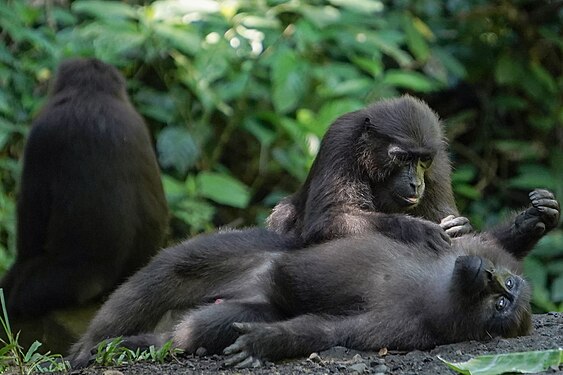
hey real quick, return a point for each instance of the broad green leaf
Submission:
(288, 80)
(544, 77)
(555, 267)
(388, 43)
(32, 351)
(464, 173)
(508, 70)
(533, 176)
(177, 149)
(261, 22)
(320, 16)
(550, 246)
(525, 362)
(181, 38)
(415, 40)
(155, 104)
(263, 134)
(467, 191)
(409, 80)
(170, 9)
(104, 9)
(360, 6)
(520, 150)
(372, 65)
(453, 65)
(536, 273)
(557, 289)
(223, 189)
(319, 122)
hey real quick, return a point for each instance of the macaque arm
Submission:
(520, 235)
(299, 336)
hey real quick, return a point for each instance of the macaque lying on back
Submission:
(248, 297)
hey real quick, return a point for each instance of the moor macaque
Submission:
(388, 158)
(244, 294)
(91, 208)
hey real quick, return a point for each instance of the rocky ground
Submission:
(548, 334)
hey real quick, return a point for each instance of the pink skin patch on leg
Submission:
(218, 300)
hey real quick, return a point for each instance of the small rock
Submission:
(381, 368)
(377, 361)
(382, 352)
(358, 367)
(315, 358)
(357, 358)
(112, 372)
(201, 351)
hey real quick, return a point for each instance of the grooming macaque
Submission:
(91, 208)
(245, 294)
(388, 158)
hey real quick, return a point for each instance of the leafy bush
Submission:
(239, 93)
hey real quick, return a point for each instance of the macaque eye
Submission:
(501, 303)
(399, 155)
(509, 283)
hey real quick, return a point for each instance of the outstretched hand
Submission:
(542, 216)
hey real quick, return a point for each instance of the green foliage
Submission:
(238, 94)
(544, 269)
(15, 359)
(526, 362)
(111, 353)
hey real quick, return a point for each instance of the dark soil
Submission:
(548, 334)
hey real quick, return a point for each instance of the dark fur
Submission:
(353, 178)
(377, 292)
(91, 208)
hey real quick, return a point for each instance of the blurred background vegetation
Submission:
(238, 94)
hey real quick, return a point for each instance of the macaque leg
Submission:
(306, 334)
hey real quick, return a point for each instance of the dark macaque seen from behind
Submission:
(91, 208)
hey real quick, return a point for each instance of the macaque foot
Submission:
(240, 352)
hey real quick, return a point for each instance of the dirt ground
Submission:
(548, 334)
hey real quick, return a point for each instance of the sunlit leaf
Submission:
(409, 80)
(526, 362)
(520, 150)
(104, 9)
(415, 40)
(183, 39)
(320, 16)
(360, 6)
(388, 43)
